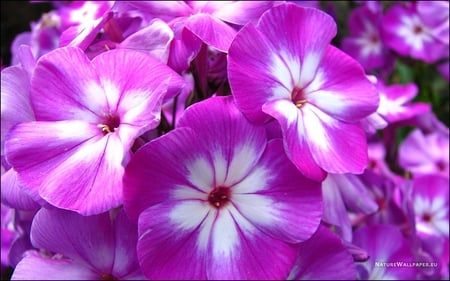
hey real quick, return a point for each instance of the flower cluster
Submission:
(227, 140)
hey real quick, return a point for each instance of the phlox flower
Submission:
(430, 202)
(422, 153)
(411, 32)
(215, 200)
(75, 247)
(365, 42)
(384, 244)
(88, 115)
(317, 93)
(395, 102)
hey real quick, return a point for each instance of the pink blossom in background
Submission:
(425, 153)
(409, 33)
(365, 42)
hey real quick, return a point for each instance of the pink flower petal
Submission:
(168, 149)
(66, 81)
(243, 145)
(323, 257)
(295, 141)
(34, 266)
(342, 89)
(336, 146)
(292, 218)
(169, 245)
(212, 31)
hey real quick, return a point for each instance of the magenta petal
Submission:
(125, 258)
(345, 93)
(292, 218)
(88, 164)
(88, 240)
(323, 257)
(211, 31)
(132, 85)
(153, 39)
(171, 9)
(243, 145)
(249, 258)
(250, 71)
(66, 81)
(334, 210)
(171, 251)
(12, 194)
(15, 99)
(242, 12)
(34, 266)
(313, 30)
(295, 141)
(355, 193)
(336, 146)
(168, 149)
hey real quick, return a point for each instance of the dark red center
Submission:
(219, 196)
(110, 124)
(418, 29)
(108, 276)
(426, 217)
(298, 97)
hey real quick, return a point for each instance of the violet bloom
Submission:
(395, 101)
(88, 115)
(323, 257)
(75, 247)
(385, 246)
(365, 42)
(411, 34)
(430, 201)
(423, 153)
(317, 93)
(215, 200)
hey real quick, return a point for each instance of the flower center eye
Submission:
(219, 196)
(418, 29)
(298, 97)
(426, 217)
(110, 124)
(108, 276)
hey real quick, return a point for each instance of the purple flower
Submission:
(395, 102)
(365, 42)
(88, 115)
(423, 153)
(75, 247)
(387, 248)
(410, 33)
(317, 93)
(430, 201)
(214, 199)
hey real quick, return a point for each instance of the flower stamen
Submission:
(219, 196)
